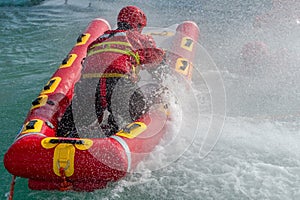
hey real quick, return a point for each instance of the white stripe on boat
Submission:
(126, 148)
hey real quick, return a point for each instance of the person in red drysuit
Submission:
(115, 59)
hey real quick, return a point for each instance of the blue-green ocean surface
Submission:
(258, 153)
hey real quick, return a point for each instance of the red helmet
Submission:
(134, 16)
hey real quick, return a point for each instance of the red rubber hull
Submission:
(80, 164)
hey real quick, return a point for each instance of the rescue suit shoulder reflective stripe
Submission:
(114, 50)
(104, 75)
(124, 47)
(111, 43)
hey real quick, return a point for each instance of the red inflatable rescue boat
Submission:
(86, 164)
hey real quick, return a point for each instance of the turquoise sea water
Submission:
(14, 3)
(257, 156)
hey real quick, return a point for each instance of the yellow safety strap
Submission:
(64, 157)
(135, 69)
(104, 75)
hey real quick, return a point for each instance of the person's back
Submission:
(122, 50)
(110, 72)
